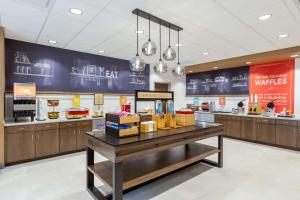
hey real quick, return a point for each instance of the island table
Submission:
(136, 160)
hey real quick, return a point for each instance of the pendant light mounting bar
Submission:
(157, 20)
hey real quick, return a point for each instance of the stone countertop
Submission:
(28, 122)
(297, 117)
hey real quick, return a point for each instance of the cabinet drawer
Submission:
(68, 124)
(21, 128)
(286, 122)
(265, 121)
(48, 126)
(237, 118)
(85, 123)
(249, 119)
(221, 116)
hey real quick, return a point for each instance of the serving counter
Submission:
(135, 160)
(274, 131)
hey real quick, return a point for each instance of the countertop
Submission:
(114, 141)
(28, 122)
(297, 117)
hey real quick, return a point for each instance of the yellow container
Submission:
(185, 119)
(160, 121)
(147, 127)
(170, 121)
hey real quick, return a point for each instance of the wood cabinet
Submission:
(286, 133)
(248, 128)
(265, 130)
(298, 136)
(83, 127)
(68, 137)
(234, 126)
(222, 119)
(20, 143)
(47, 140)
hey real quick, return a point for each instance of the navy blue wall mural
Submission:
(232, 81)
(55, 69)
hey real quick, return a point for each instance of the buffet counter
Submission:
(27, 141)
(275, 131)
(136, 160)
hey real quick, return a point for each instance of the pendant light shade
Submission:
(179, 70)
(160, 67)
(137, 64)
(149, 48)
(170, 53)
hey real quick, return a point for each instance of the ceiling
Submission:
(222, 28)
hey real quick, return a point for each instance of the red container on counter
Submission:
(126, 108)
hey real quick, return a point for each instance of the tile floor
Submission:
(251, 172)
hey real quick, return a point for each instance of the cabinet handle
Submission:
(78, 131)
(38, 137)
(48, 126)
(31, 136)
(21, 129)
(74, 132)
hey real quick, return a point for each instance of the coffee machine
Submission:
(24, 100)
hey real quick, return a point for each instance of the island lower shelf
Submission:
(141, 169)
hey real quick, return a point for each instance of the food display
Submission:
(122, 124)
(149, 126)
(53, 103)
(185, 117)
(77, 112)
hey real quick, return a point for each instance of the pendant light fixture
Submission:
(137, 64)
(179, 69)
(149, 48)
(169, 53)
(160, 67)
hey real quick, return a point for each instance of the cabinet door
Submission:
(82, 137)
(14, 147)
(248, 129)
(234, 127)
(298, 139)
(29, 145)
(265, 133)
(222, 120)
(286, 136)
(68, 139)
(47, 142)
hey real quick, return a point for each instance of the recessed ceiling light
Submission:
(139, 32)
(101, 51)
(52, 41)
(283, 35)
(248, 63)
(205, 53)
(294, 56)
(178, 45)
(216, 67)
(265, 17)
(75, 11)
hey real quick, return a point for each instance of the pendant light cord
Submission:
(169, 36)
(149, 28)
(137, 34)
(160, 40)
(178, 46)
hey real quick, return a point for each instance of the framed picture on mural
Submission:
(98, 98)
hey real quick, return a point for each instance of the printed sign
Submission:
(196, 101)
(222, 101)
(155, 95)
(273, 81)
